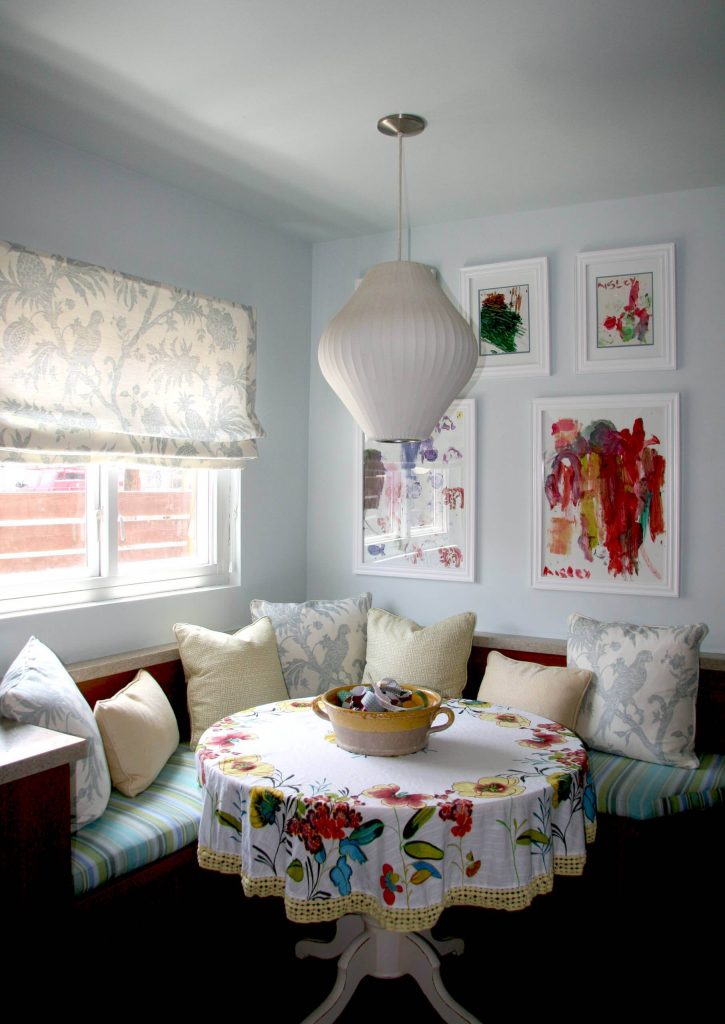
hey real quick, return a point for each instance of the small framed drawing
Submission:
(507, 305)
(415, 502)
(606, 494)
(626, 309)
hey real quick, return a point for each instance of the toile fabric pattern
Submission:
(99, 365)
(320, 643)
(486, 814)
(37, 690)
(641, 701)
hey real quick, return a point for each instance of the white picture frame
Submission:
(421, 501)
(514, 297)
(581, 501)
(626, 316)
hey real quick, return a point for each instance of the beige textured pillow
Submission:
(432, 656)
(228, 673)
(549, 690)
(139, 732)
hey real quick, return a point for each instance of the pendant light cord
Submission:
(400, 196)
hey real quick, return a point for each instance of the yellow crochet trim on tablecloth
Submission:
(395, 919)
(227, 863)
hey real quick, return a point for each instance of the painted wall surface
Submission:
(501, 596)
(55, 198)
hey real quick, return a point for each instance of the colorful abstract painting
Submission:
(605, 483)
(504, 320)
(415, 502)
(507, 306)
(624, 311)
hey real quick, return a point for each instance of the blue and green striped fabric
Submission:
(134, 831)
(638, 789)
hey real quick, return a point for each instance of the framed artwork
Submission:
(415, 502)
(606, 494)
(626, 309)
(507, 305)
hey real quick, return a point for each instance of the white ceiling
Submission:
(270, 106)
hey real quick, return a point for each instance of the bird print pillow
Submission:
(641, 701)
(320, 643)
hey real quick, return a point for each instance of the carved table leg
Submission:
(383, 954)
(442, 946)
(347, 929)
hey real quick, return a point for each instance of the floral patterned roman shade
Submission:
(98, 365)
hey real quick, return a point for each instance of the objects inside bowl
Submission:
(363, 698)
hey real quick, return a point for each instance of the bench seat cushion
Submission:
(135, 831)
(638, 789)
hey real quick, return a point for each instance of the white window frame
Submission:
(28, 593)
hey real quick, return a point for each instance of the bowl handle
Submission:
(320, 712)
(446, 725)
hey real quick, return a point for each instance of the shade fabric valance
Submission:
(101, 366)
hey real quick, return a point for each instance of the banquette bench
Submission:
(632, 857)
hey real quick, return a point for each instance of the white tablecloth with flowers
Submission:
(485, 815)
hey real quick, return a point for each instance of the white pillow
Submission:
(37, 690)
(321, 643)
(549, 690)
(641, 702)
(434, 657)
(228, 673)
(139, 731)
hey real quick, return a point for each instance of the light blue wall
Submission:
(57, 199)
(501, 596)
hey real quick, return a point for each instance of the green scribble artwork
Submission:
(504, 320)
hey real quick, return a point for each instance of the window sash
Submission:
(101, 579)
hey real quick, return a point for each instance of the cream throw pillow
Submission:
(547, 690)
(139, 731)
(435, 657)
(228, 673)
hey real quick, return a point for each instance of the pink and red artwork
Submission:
(418, 500)
(624, 310)
(606, 498)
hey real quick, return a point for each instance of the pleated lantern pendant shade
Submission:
(398, 353)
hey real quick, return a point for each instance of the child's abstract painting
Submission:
(624, 311)
(626, 317)
(416, 502)
(504, 320)
(606, 493)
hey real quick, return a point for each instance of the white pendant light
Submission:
(398, 352)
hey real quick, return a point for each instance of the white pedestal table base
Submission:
(366, 949)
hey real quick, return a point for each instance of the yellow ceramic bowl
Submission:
(383, 733)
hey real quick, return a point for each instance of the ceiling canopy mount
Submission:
(401, 124)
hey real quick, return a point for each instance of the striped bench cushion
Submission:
(135, 831)
(637, 789)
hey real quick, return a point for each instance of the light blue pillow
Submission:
(320, 643)
(641, 700)
(37, 690)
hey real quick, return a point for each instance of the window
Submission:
(75, 534)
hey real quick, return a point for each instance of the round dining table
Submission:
(486, 814)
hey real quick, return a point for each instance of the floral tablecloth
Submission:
(485, 815)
